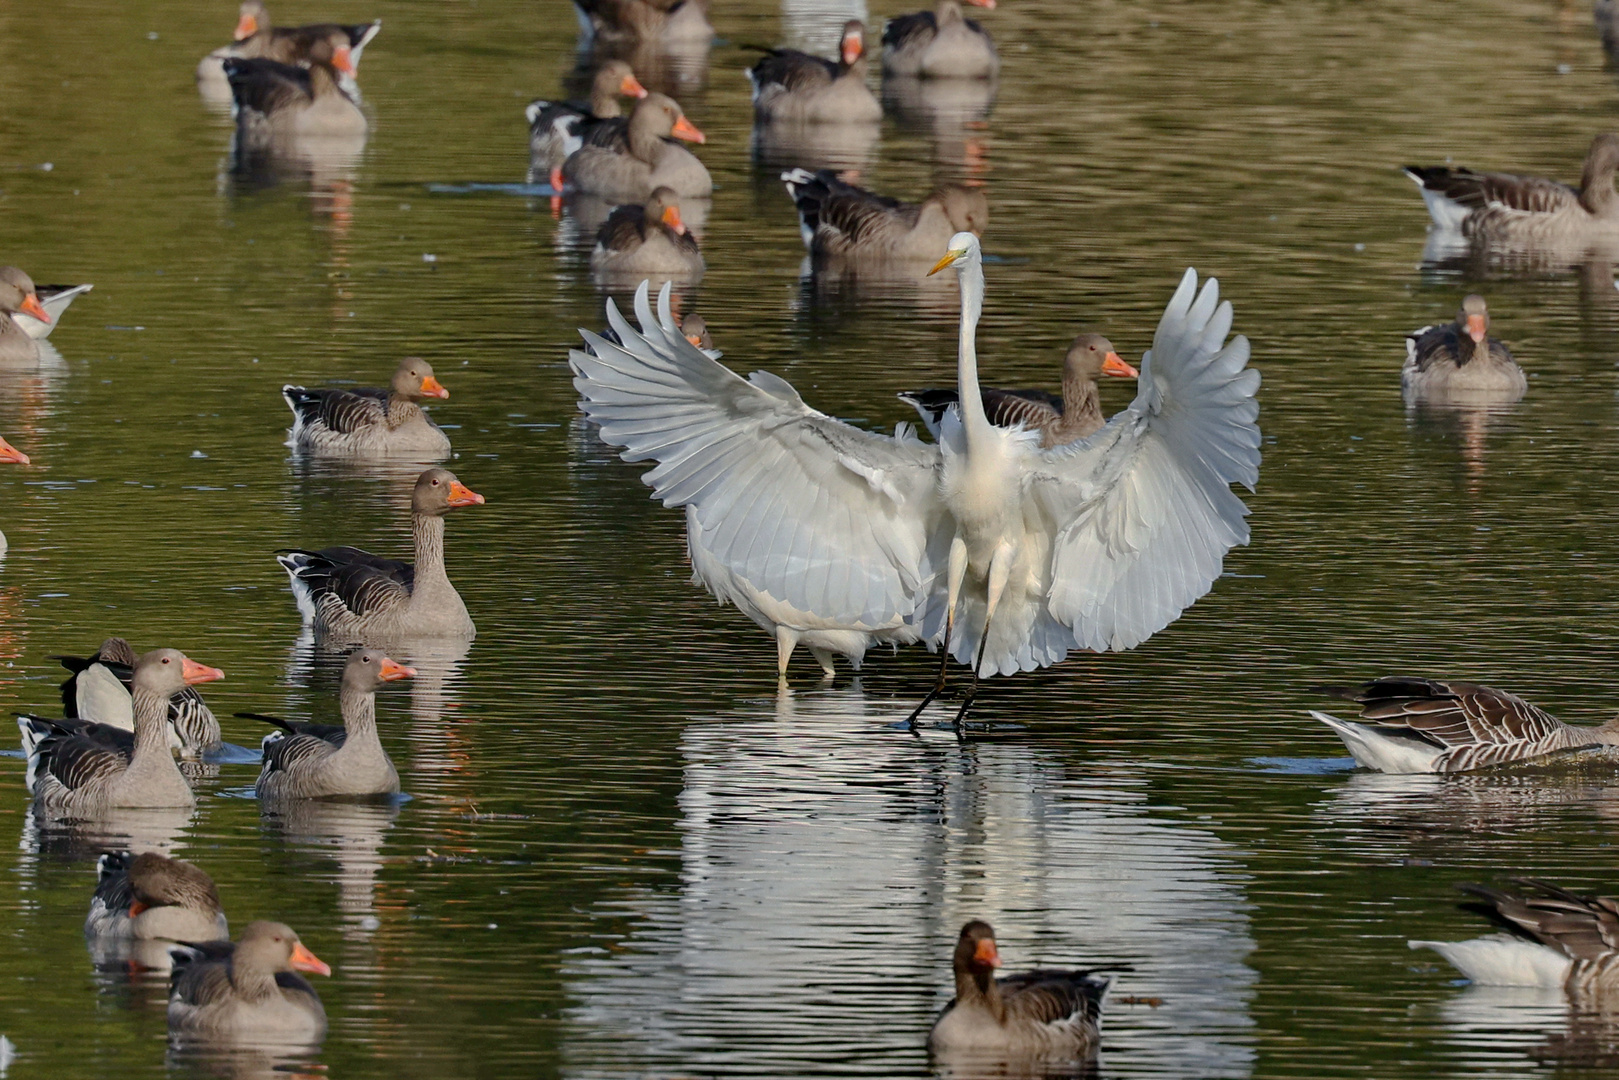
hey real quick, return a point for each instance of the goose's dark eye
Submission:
(166, 660)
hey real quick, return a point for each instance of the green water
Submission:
(625, 854)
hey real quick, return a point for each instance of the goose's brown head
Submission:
(438, 492)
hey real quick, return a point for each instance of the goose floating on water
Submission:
(98, 689)
(55, 299)
(1560, 940)
(1032, 1014)
(278, 104)
(256, 39)
(352, 595)
(1411, 725)
(151, 897)
(650, 239)
(18, 296)
(316, 761)
(940, 44)
(1527, 209)
(557, 129)
(362, 421)
(626, 160)
(1459, 361)
(249, 991)
(82, 766)
(1009, 554)
(789, 85)
(839, 220)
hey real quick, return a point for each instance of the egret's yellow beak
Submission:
(950, 257)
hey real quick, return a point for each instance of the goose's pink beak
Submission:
(195, 673)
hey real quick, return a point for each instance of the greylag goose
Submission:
(12, 456)
(1033, 1014)
(349, 594)
(557, 129)
(940, 44)
(695, 329)
(1428, 726)
(625, 160)
(366, 421)
(1559, 940)
(316, 761)
(149, 897)
(83, 766)
(789, 85)
(841, 221)
(646, 240)
(777, 486)
(97, 689)
(1059, 420)
(55, 299)
(645, 20)
(17, 294)
(1526, 209)
(256, 39)
(1460, 360)
(276, 102)
(249, 991)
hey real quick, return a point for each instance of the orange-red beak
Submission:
(135, 908)
(685, 129)
(983, 3)
(11, 454)
(246, 27)
(985, 953)
(32, 306)
(671, 218)
(392, 669)
(631, 86)
(343, 61)
(1475, 328)
(461, 495)
(1113, 364)
(852, 48)
(431, 387)
(695, 339)
(195, 673)
(304, 960)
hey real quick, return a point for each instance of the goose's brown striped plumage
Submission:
(793, 86)
(1409, 725)
(839, 220)
(249, 991)
(351, 595)
(149, 897)
(316, 761)
(1502, 207)
(1563, 940)
(370, 422)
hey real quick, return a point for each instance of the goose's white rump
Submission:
(851, 530)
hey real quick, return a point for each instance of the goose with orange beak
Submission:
(320, 761)
(557, 129)
(80, 766)
(19, 296)
(349, 595)
(1459, 363)
(626, 160)
(647, 241)
(370, 422)
(256, 39)
(250, 991)
(796, 87)
(1031, 1015)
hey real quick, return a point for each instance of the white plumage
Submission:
(1097, 544)
(1503, 960)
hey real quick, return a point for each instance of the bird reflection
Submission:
(1489, 1026)
(243, 1063)
(827, 865)
(952, 112)
(1469, 424)
(72, 839)
(350, 832)
(676, 68)
(788, 144)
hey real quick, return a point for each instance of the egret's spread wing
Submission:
(829, 518)
(1143, 509)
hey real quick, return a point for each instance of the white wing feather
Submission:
(802, 507)
(1144, 507)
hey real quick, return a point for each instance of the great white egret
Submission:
(1008, 554)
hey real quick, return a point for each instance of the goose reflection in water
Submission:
(825, 878)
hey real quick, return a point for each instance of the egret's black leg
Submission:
(938, 684)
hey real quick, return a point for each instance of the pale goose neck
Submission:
(359, 709)
(428, 530)
(980, 991)
(1081, 407)
(151, 712)
(645, 143)
(1596, 188)
(604, 102)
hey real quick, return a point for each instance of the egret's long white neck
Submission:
(971, 400)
